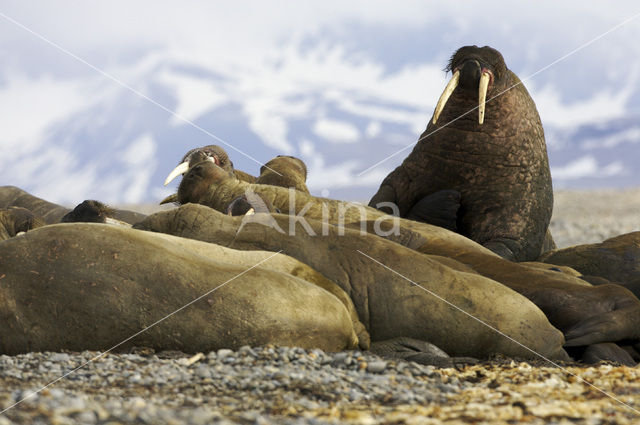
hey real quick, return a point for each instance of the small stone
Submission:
(223, 352)
(376, 366)
(86, 417)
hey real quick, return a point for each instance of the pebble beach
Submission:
(288, 385)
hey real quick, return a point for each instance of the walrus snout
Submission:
(470, 72)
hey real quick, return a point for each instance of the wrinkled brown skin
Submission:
(49, 212)
(586, 314)
(284, 171)
(500, 167)
(14, 220)
(388, 305)
(615, 260)
(85, 286)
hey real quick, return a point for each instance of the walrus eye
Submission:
(446, 94)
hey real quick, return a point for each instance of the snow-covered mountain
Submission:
(341, 97)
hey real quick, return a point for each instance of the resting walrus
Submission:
(497, 161)
(388, 305)
(91, 286)
(586, 314)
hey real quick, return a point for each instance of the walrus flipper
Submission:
(607, 351)
(439, 208)
(506, 248)
(415, 350)
(621, 322)
(250, 202)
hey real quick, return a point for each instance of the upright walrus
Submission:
(496, 160)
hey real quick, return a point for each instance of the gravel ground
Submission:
(292, 386)
(581, 217)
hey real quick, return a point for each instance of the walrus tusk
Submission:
(482, 94)
(180, 169)
(250, 212)
(171, 198)
(446, 94)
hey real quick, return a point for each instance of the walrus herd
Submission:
(452, 261)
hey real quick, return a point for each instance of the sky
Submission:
(360, 69)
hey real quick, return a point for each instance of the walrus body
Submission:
(499, 167)
(91, 286)
(388, 305)
(614, 260)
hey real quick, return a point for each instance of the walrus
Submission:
(284, 171)
(91, 211)
(51, 213)
(586, 314)
(387, 305)
(87, 286)
(14, 220)
(616, 259)
(219, 156)
(496, 160)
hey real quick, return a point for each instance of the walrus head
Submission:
(475, 69)
(203, 172)
(281, 162)
(89, 211)
(215, 152)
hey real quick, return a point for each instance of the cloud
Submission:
(336, 131)
(631, 135)
(587, 166)
(28, 107)
(602, 105)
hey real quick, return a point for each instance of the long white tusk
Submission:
(180, 169)
(446, 94)
(250, 212)
(482, 95)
